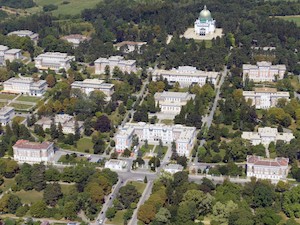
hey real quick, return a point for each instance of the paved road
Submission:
(108, 203)
(146, 194)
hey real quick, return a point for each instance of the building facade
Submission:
(171, 102)
(183, 136)
(263, 71)
(9, 54)
(265, 168)
(26, 33)
(67, 122)
(25, 86)
(129, 46)
(115, 164)
(33, 152)
(266, 135)
(75, 39)
(115, 61)
(264, 98)
(205, 24)
(6, 115)
(89, 85)
(53, 61)
(186, 75)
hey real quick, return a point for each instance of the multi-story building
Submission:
(183, 136)
(263, 71)
(6, 115)
(33, 152)
(115, 164)
(205, 24)
(186, 75)
(53, 61)
(265, 168)
(171, 102)
(75, 39)
(26, 33)
(13, 54)
(25, 86)
(266, 135)
(67, 122)
(89, 85)
(129, 46)
(264, 98)
(3, 49)
(115, 61)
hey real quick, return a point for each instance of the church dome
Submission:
(205, 14)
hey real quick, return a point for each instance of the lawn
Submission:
(2, 104)
(7, 96)
(8, 183)
(167, 122)
(164, 149)
(295, 18)
(72, 8)
(143, 149)
(67, 189)
(24, 98)
(118, 219)
(79, 159)
(85, 144)
(18, 119)
(28, 197)
(21, 106)
(140, 186)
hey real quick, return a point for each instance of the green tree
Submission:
(70, 211)
(9, 203)
(127, 195)
(52, 194)
(38, 209)
(110, 213)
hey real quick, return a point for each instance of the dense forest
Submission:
(17, 3)
(246, 24)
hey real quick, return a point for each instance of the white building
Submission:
(33, 152)
(115, 164)
(67, 122)
(9, 54)
(186, 75)
(25, 86)
(183, 136)
(3, 49)
(115, 61)
(6, 115)
(205, 24)
(173, 168)
(54, 61)
(266, 135)
(129, 46)
(171, 102)
(75, 39)
(264, 168)
(263, 71)
(89, 85)
(13, 54)
(26, 33)
(264, 98)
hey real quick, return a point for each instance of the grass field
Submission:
(164, 149)
(118, 219)
(85, 144)
(19, 119)
(8, 183)
(167, 122)
(63, 159)
(72, 8)
(7, 96)
(67, 189)
(140, 186)
(20, 106)
(28, 197)
(295, 19)
(28, 98)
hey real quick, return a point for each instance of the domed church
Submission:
(205, 24)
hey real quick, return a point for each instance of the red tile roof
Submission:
(260, 161)
(32, 145)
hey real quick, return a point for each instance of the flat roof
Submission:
(13, 51)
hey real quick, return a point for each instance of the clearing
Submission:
(29, 197)
(294, 18)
